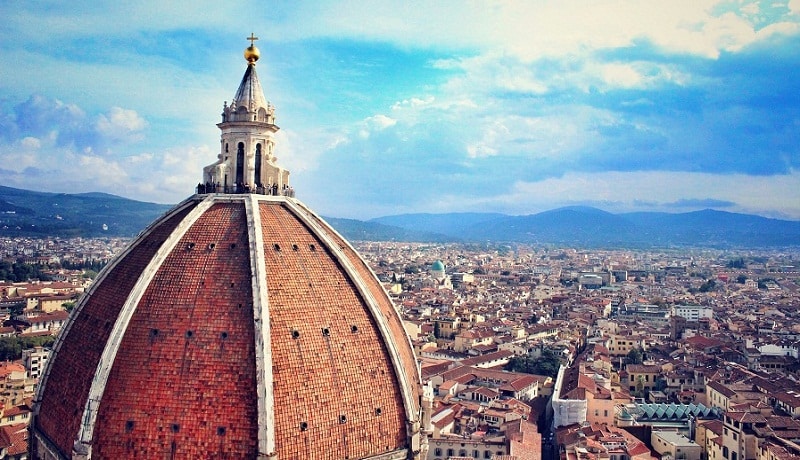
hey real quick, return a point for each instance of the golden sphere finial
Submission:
(251, 54)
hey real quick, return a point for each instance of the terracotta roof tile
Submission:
(183, 380)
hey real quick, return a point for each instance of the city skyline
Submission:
(396, 107)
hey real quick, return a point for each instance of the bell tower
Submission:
(246, 161)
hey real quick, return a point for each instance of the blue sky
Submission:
(390, 107)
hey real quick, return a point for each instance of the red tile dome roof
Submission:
(241, 325)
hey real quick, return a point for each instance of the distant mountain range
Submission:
(591, 227)
(28, 213)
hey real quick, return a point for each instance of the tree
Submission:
(20, 271)
(635, 356)
(762, 283)
(16, 310)
(45, 341)
(737, 263)
(6, 271)
(741, 279)
(11, 347)
(708, 286)
(546, 364)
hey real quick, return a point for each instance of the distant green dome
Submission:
(437, 266)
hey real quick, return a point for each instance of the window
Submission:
(724, 451)
(437, 452)
(734, 455)
(450, 452)
(240, 164)
(258, 164)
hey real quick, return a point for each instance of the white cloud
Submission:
(23, 154)
(121, 125)
(299, 151)
(414, 102)
(142, 158)
(555, 136)
(783, 28)
(530, 30)
(380, 122)
(100, 172)
(621, 75)
(30, 143)
(487, 80)
(627, 75)
(751, 9)
(525, 29)
(168, 175)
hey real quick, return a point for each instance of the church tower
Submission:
(246, 158)
(239, 325)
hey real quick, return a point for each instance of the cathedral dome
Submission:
(437, 266)
(238, 325)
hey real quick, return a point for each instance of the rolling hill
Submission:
(29, 213)
(592, 227)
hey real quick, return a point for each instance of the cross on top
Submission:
(252, 38)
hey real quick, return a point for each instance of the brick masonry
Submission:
(183, 382)
(64, 397)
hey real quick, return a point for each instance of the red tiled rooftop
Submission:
(14, 439)
(67, 386)
(59, 315)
